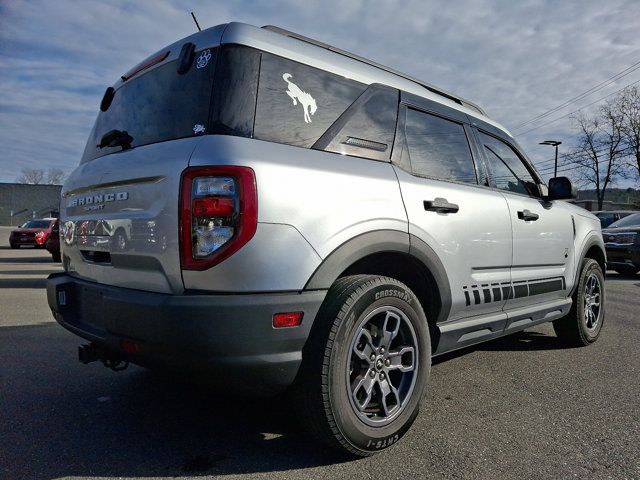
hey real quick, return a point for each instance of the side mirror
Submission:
(561, 188)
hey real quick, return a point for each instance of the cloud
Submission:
(516, 59)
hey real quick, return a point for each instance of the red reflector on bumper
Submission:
(291, 319)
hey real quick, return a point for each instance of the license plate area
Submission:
(90, 308)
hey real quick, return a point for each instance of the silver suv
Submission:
(278, 214)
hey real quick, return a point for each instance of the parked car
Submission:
(607, 217)
(34, 233)
(53, 242)
(329, 225)
(622, 243)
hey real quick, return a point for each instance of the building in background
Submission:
(615, 199)
(20, 202)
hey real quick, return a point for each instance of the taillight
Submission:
(219, 214)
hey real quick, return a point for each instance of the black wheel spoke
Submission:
(361, 389)
(390, 329)
(402, 360)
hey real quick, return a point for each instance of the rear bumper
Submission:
(229, 338)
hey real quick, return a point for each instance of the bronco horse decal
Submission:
(297, 95)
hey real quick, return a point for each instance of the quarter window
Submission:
(507, 170)
(298, 103)
(367, 127)
(438, 148)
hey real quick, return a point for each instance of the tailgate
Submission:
(119, 217)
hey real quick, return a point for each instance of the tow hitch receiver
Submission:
(92, 353)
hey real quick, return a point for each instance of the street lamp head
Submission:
(553, 143)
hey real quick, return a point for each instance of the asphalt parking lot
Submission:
(518, 407)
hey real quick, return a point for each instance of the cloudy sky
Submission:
(517, 59)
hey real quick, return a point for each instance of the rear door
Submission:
(465, 223)
(543, 246)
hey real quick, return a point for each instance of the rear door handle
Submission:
(527, 215)
(440, 205)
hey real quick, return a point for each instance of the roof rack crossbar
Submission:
(431, 88)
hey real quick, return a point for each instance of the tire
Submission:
(580, 328)
(627, 271)
(56, 257)
(14, 246)
(337, 357)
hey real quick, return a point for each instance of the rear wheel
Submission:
(583, 324)
(365, 366)
(14, 246)
(56, 257)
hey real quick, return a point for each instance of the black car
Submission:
(622, 242)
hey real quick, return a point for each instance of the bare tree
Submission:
(599, 156)
(628, 105)
(55, 176)
(33, 176)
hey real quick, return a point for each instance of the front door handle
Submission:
(440, 205)
(527, 215)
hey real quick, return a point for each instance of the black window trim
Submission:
(400, 145)
(330, 133)
(527, 164)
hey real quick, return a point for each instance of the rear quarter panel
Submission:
(315, 200)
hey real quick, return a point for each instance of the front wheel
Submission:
(583, 324)
(366, 365)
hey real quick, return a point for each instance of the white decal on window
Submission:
(297, 95)
(198, 128)
(203, 59)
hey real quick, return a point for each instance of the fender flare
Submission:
(592, 240)
(383, 241)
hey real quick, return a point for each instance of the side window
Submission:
(298, 103)
(438, 148)
(367, 127)
(506, 167)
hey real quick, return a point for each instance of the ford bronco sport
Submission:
(280, 214)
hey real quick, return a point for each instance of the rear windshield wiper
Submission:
(116, 138)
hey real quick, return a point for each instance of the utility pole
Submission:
(553, 143)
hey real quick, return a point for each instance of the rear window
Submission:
(158, 105)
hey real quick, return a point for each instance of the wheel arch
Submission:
(397, 255)
(593, 248)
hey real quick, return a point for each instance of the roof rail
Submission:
(431, 88)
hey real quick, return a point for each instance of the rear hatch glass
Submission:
(158, 105)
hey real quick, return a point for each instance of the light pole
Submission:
(553, 143)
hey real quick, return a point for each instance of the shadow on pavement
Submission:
(70, 420)
(619, 276)
(521, 341)
(517, 342)
(29, 272)
(23, 283)
(44, 259)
